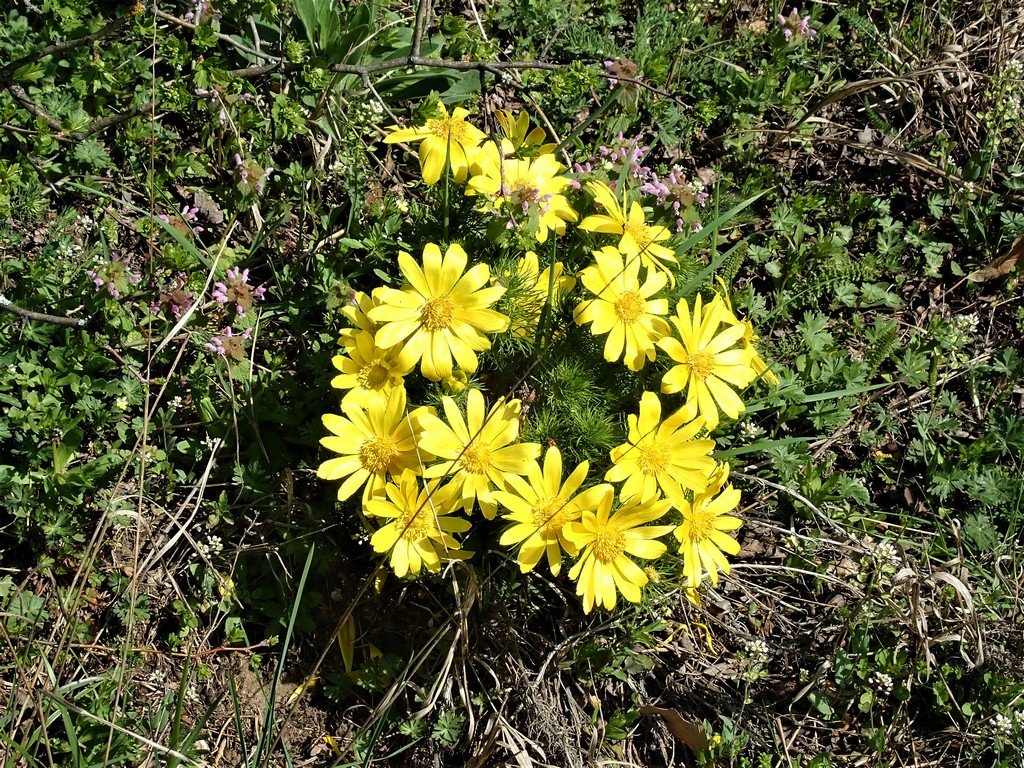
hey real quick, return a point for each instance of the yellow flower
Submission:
(749, 339)
(442, 314)
(478, 452)
(526, 190)
(368, 372)
(420, 532)
(605, 540)
(374, 441)
(661, 454)
(455, 383)
(708, 361)
(355, 313)
(638, 237)
(623, 308)
(703, 537)
(717, 478)
(442, 138)
(540, 507)
(537, 283)
(515, 130)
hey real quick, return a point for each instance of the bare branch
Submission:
(106, 122)
(28, 314)
(420, 25)
(22, 97)
(98, 125)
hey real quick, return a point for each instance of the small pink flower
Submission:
(795, 28)
(183, 221)
(115, 275)
(623, 152)
(174, 300)
(229, 346)
(680, 196)
(235, 289)
(203, 13)
(622, 68)
(251, 175)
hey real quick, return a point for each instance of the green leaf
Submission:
(820, 703)
(30, 73)
(64, 451)
(322, 23)
(92, 152)
(705, 274)
(306, 10)
(761, 445)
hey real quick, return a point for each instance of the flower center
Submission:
(240, 294)
(609, 544)
(116, 270)
(701, 363)
(233, 347)
(373, 376)
(437, 313)
(702, 523)
(550, 515)
(521, 193)
(641, 234)
(376, 453)
(629, 307)
(449, 129)
(476, 459)
(417, 523)
(653, 459)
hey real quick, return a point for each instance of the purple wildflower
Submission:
(174, 300)
(203, 13)
(235, 289)
(229, 346)
(115, 276)
(680, 196)
(183, 221)
(622, 68)
(795, 28)
(618, 154)
(251, 175)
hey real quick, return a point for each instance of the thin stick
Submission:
(28, 314)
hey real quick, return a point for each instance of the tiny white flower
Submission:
(1002, 726)
(881, 682)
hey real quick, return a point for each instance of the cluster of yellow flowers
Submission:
(419, 469)
(516, 175)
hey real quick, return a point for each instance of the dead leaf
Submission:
(302, 688)
(347, 641)
(1000, 266)
(208, 207)
(690, 733)
(203, 203)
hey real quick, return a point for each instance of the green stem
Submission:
(447, 178)
(550, 301)
(584, 125)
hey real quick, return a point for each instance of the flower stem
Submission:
(447, 178)
(549, 302)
